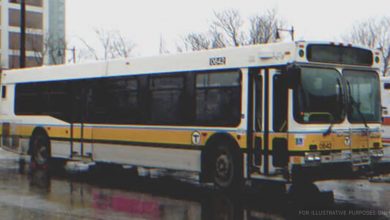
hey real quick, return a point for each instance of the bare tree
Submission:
(373, 33)
(121, 47)
(88, 51)
(229, 24)
(217, 39)
(263, 28)
(163, 49)
(197, 41)
(56, 48)
(48, 47)
(227, 29)
(112, 44)
(105, 39)
(202, 41)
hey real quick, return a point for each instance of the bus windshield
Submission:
(364, 96)
(319, 96)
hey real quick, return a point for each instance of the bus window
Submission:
(166, 99)
(4, 92)
(280, 103)
(218, 98)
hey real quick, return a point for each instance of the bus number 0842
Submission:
(216, 61)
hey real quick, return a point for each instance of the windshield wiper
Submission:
(329, 130)
(356, 104)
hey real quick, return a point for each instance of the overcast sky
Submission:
(144, 21)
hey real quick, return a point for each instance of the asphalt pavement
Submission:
(57, 195)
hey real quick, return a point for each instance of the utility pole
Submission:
(291, 31)
(22, 55)
(60, 53)
(74, 54)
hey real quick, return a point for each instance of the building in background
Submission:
(57, 40)
(45, 32)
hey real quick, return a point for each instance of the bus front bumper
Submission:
(343, 165)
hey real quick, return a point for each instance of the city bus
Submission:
(290, 112)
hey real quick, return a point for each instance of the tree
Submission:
(112, 44)
(163, 49)
(197, 41)
(229, 24)
(263, 28)
(373, 33)
(227, 29)
(47, 49)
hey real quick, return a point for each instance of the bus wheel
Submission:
(40, 151)
(227, 167)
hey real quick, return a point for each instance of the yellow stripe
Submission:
(171, 136)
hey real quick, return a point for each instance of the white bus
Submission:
(283, 111)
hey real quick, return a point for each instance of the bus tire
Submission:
(227, 167)
(40, 151)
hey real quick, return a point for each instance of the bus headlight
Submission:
(312, 157)
(346, 155)
(376, 153)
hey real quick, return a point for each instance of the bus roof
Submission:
(272, 54)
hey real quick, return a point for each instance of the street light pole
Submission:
(74, 54)
(22, 55)
(68, 49)
(291, 31)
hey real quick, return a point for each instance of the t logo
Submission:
(196, 138)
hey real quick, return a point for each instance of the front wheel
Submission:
(40, 151)
(227, 167)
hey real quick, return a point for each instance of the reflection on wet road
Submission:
(38, 195)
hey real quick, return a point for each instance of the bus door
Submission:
(278, 120)
(270, 122)
(255, 122)
(81, 135)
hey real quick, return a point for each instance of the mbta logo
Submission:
(196, 138)
(348, 141)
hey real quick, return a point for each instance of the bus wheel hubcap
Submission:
(41, 154)
(222, 166)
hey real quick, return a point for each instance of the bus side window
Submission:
(387, 86)
(166, 92)
(3, 92)
(280, 100)
(218, 98)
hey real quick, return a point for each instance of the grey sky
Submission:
(144, 21)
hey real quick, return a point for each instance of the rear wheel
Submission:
(40, 154)
(227, 167)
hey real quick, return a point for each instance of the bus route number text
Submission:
(325, 145)
(216, 61)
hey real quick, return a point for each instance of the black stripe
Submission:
(249, 134)
(133, 143)
(266, 120)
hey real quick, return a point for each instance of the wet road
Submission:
(39, 195)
